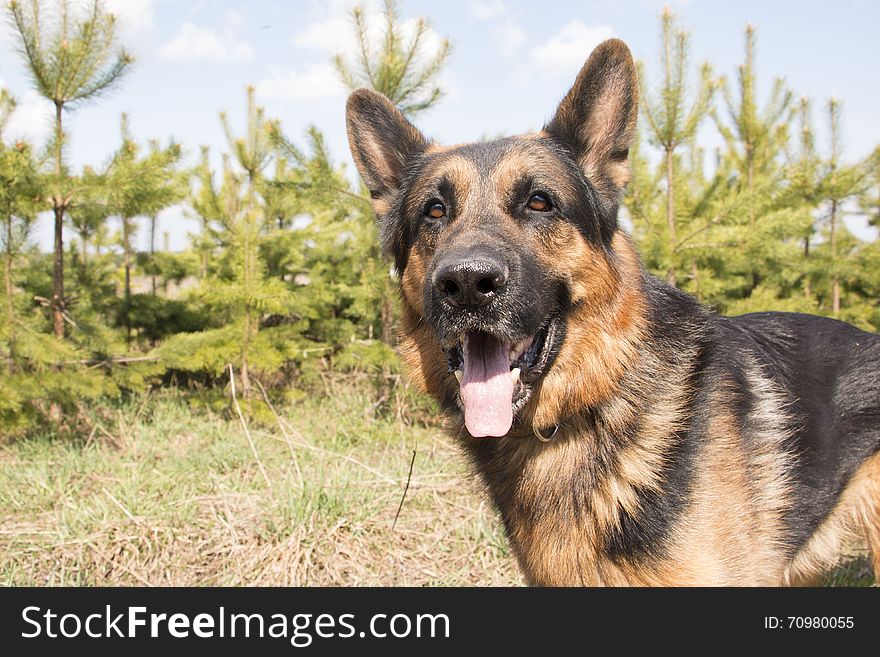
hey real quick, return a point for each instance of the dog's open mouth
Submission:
(496, 376)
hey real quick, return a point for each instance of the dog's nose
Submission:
(471, 283)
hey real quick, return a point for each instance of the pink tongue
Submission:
(486, 387)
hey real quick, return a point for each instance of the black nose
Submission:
(471, 283)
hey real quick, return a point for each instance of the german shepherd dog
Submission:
(626, 434)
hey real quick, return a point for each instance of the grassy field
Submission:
(162, 494)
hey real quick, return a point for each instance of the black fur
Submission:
(680, 329)
(830, 374)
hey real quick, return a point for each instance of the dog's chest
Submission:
(548, 497)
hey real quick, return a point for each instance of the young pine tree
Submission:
(139, 185)
(755, 141)
(19, 197)
(869, 199)
(672, 124)
(400, 65)
(805, 189)
(72, 56)
(244, 224)
(869, 254)
(841, 184)
(41, 380)
(236, 285)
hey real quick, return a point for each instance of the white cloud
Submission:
(505, 33)
(315, 82)
(233, 18)
(509, 37)
(324, 35)
(194, 42)
(31, 120)
(132, 14)
(568, 49)
(335, 32)
(485, 9)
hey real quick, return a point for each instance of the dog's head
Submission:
(506, 249)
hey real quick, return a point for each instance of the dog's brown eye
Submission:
(539, 203)
(435, 210)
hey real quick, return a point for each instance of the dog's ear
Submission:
(596, 120)
(382, 142)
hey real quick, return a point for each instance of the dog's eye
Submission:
(539, 202)
(435, 210)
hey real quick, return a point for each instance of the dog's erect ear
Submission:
(382, 142)
(596, 120)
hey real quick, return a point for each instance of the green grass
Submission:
(164, 494)
(160, 494)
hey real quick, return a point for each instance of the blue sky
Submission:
(512, 61)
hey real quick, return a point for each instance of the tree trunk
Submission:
(85, 255)
(58, 275)
(387, 319)
(835, 279)
(245, 374)
(126, 261)
(670, 213)
(10, 307)
(246, 338)
(248, 276)
(58, 207)
(750, 174)
(153, 219)
(808, 290)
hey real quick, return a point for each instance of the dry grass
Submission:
(167, 495)
(172, 497)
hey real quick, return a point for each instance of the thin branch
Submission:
(406, 488)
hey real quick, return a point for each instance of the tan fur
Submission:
(733, 533)
(458, 170)
(856, 515)
(413, 280)
(603, 332)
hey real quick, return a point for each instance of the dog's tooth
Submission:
(458, 375)
(514, 374)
